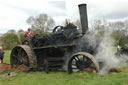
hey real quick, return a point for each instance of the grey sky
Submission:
(13, 13)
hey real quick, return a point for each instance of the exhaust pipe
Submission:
(83, 17)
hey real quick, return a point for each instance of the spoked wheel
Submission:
(81, 61)
(22, 54)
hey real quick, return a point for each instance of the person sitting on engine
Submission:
(28, 33)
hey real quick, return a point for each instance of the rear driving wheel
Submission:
(23, 54)
(19, 56)
(81, 61)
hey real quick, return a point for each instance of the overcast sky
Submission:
(13, 13)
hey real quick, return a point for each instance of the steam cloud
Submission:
(107, 55)
(104, 51)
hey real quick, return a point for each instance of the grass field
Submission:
(62, 78)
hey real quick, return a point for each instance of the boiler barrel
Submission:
(83, 17)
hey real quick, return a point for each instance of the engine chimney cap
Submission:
(84, 4)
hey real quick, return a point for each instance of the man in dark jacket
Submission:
(1, 54)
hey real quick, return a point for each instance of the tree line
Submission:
(39, 24)
(116, 29)
(43, 23)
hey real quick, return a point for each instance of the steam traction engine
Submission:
(57, 51)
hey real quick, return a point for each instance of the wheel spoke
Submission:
(14, 56)
(87, 63)
(83, 61)
(77, 58)
(77, 62)
(73, 64)
(19, 52)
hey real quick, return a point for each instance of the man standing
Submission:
(1, 54)
(29, 33)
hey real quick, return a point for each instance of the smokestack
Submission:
(83, 17)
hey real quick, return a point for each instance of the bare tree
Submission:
(126, 27)
(41, 23)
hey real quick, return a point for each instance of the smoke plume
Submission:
(103, 51)
(106, 55)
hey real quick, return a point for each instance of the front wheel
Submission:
(81, 61)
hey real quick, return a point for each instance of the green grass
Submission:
(7, 56)
(62, 78)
